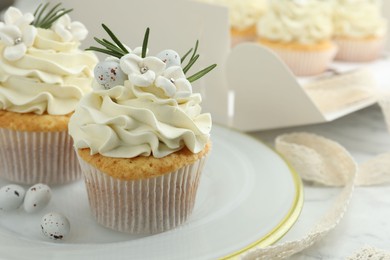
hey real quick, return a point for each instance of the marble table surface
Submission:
(364, 134)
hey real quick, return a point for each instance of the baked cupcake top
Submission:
(141, 105)
(297, 21)
(359, 19)
(242, 13)
(42, 69)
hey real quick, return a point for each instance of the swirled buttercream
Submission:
(242, 13)
(293, 21)
(129, 121)
(359, 19)
(51, 77)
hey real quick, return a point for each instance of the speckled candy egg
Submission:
(55, 226)
(109, 74)
(170, 58)
(11, 197)
(37, 197)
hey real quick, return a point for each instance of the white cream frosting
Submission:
(242, 13)
(128, 121)
(51, 77)
(304, 22)
(359, 19)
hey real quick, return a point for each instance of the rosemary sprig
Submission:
(185, 55)
(115, 48)
(192, 61)
(114, 38)
(201, 73)
(45, 19)
(195, 49)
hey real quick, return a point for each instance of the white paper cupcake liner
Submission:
(307, 63)
(37, 157)
(359, 51)
(145, 206)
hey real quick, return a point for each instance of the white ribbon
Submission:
(324, 161)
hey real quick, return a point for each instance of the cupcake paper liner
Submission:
(359, 51)
(307, 63)
(144, 206)
(37, 157)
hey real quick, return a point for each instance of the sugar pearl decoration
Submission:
(170, 58)
(37, 197)
(109, 74)
(55, 226)
(144, 69)
(18, 40)
(11, 197)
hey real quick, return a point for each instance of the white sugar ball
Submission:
(55, 226)
(37, 197)
(11, 197)
(170, 58)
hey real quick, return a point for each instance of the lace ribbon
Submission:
(326, 162)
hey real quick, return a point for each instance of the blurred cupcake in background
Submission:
(300, 33)
(243, 16)
(359, 30)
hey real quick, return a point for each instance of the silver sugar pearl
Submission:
(172, 80)
(18, 40)
(144, 69)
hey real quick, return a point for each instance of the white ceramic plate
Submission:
(248, 196)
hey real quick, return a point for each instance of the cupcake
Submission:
(243, 16)
(43, 75)
(299, 32)
(141, 138)
(359, 30)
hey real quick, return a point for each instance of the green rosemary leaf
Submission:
(195, 49)
(145, 43)
(92, 48)
(109, 46)
(107, 41)
(37, 10)
(48, 18)
(114, 38)
(53, 11)
(49, 23)
(201, 73)
(40, 13)
(185, 55)
(190, 63)
(44, 17)
(113, 45)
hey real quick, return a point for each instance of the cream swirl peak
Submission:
(297, 21)
(141, 105)
(40, 70)
(359, 19)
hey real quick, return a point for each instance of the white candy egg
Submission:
(55, 226)
(109, 74)
(11, 197)
(170, 58)
(37, 197)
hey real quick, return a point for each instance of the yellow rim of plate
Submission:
(287, 222)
